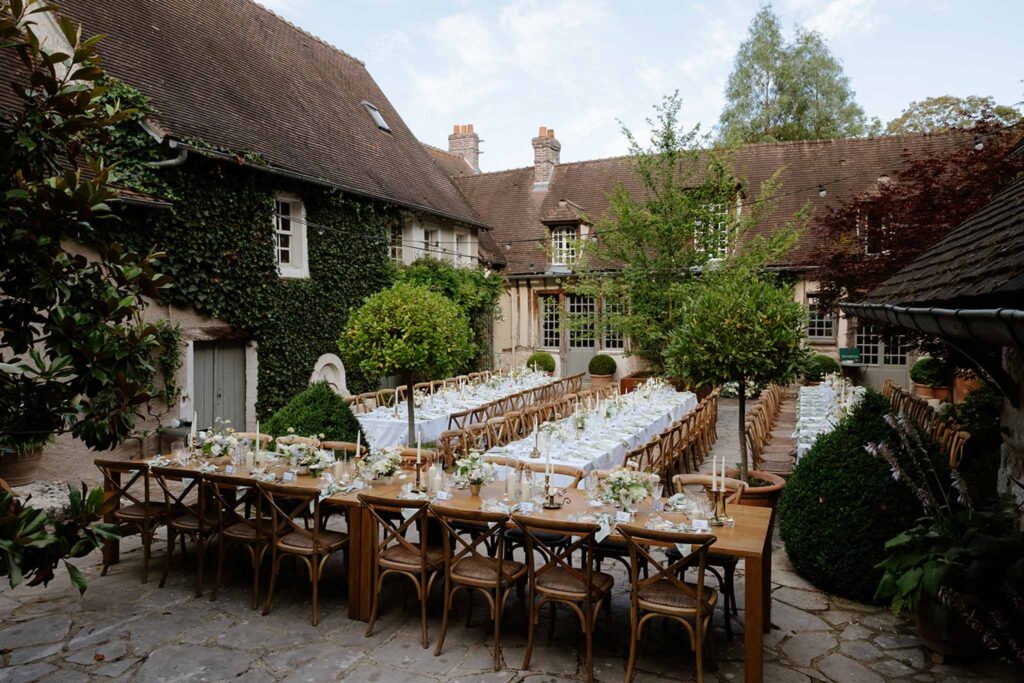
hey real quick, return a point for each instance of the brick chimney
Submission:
(546, 150)
(463, 142)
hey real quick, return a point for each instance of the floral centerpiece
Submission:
(624, 488)
(381, 464)
(220, 440)
(473, 471)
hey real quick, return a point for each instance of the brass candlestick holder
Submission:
(718, 517)
(535, 452)
(418, 486)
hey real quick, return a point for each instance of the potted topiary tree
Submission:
(408, 331)
(931, 378)
(737, 325)
(602, 370)
(818, 366)
(541, 360)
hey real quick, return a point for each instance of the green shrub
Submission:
(841, 505)
(602, 365)
(542, 360)
(930, 372)
(820, 365)
(317, 410)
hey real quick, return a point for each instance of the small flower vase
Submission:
(388, 479)
(303, 469)
(474, 490)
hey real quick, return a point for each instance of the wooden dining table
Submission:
(749, 540)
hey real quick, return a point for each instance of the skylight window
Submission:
(377, 117)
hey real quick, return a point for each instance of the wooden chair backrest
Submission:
(736, 486)
(293, 439)
(492, 527)
(176, 501)
(138, 473)
(227, 496)
(558, 468)
(346, 447)
(251, 436)
(291, 509)
(640, 540)
(395, 528)
(560, 557)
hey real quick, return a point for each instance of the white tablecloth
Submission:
(386, 427)
(603, 443)
(819, 409)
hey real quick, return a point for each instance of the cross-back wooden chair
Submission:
(251, 436)
(459, 419)
(423, 387)
(355, 404)
(140, 512)
(291, 509)
(556, 581)
(347, 447)
(188, 515)
(369, 400)
(498, 431)
(476, 437)
(514, 419)
(293, 439)
(665, 594)
(465, 566)
(428, 456)
(235, 528)
(419, 562)
(474, 377)
(452, 445)
(436, 386)
(723, 567)
(546, 412)
(385, 397)
(400, 393)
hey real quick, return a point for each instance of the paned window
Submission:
(613, 339)
(582, 314)
(563, 245)
(550, 321)
(821, 322)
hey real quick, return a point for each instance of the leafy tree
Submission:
(77, 351)
(737, 325)
(881, 230)
(947, 112)
(474, 290)
(408, 331)
(680, 216)
(788, 91)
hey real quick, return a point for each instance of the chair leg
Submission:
(147, 540)
(374, 602)
(275, 561)
(422, 590)
(469, 609)
(220, 568)
(498, 605)
(257, 557)
(444, 617)
(200, 557)
(588, 633)
(314, 573)
(170, 554)
(554, 618)
(634, 641)
(532, 627)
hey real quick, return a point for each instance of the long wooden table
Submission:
(749, 540)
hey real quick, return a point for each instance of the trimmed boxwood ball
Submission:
(602, 365)
(317, 410)
(930, 372)
(820, 365)
(841, 505)
(543, 360)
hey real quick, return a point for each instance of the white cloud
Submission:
(839, 17)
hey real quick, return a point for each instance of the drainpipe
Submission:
(176, 161)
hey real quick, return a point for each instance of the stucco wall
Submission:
(414, 230)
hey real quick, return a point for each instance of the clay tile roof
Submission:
(564, 211)
(980, 263)
(234, 75)
(506, 200)
(452, 164)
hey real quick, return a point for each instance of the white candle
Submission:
(524, 489)
(714, 470)
(433, 479)
(722, 482)
(359, 435)
(337, 470)
(510, 482)
(419, 453)
(547, 467)
(248, 460)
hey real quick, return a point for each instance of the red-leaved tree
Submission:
(881, 230)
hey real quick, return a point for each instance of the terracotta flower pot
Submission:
(964, 386)
(765, 496)
(923, 390)
(601, 380)
(942, 393)
(19, 470)
(955, 639)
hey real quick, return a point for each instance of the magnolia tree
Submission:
(737, 324)
(408, 331)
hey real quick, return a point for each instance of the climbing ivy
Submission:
(218, 239)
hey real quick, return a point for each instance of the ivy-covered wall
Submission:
(218, 239)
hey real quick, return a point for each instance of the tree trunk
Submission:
(743, 430)
(410, 402)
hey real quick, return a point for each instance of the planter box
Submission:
(923, 391)
(760, 496)
(631, 382)
(19, 470)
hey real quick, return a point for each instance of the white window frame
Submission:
(432, 242)
(462, 243)
(881, 352)
(582, 308)
(550, 320)
(563, 245)
(378, 118)
(864, 234)
(395, 244)
(298, 253)
(611, 339)
(816, 321)
(724, 239)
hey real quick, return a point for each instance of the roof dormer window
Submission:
(377, 117)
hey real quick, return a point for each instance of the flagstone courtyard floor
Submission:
(122, 629)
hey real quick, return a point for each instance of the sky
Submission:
(587, 67)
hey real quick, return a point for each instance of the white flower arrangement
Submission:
(220, 440)
(473, 470)
(418, 398)
(384, 462)
(625, 488)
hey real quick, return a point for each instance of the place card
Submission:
(700, 525)
(288, 476)
(229, 469)
(443, 495)
(623, 517)
(526, 507)
(658, 505)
